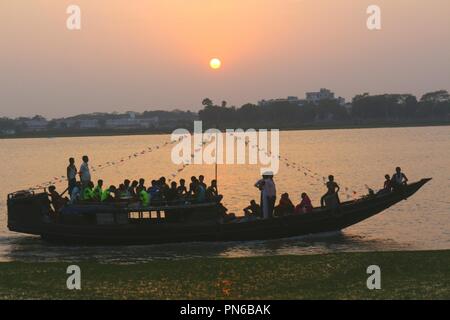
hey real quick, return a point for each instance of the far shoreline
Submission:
(112, 133)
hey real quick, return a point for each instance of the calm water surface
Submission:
(356, 158)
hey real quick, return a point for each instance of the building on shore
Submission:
(35, 124)
(310, 97)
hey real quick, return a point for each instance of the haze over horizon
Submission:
(155, 54)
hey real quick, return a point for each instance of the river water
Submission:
(356, 157)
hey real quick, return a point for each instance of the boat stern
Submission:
(27, 211)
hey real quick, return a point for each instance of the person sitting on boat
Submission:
(57, 200)
(285, 206)
(332, 192)
(387, 186)
(163, 187)
(75, 195)
(71, 175)
(201, 181)
(141, 186)
(154, 191)
(253, 210)
(123, 193)
(98, 190)
(212, 194)
(399, 179)
(107, 195)
(144, 198)
(88, 192)
(85, 174)
(387, 183)
(172, 193)
(126, 186)
(199, 193)
(305, 205)
(182, 190)
(132, 189)
(193, 185)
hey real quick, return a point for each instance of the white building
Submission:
(36, 124)
(290, 99)
(323, 94)
(132, 122)
(311, 97)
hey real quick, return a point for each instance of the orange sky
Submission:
(140, 55)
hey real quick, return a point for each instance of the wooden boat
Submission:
(124, 224)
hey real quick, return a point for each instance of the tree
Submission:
(207, 102)
(435, 104)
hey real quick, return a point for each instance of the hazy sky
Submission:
(147, 54)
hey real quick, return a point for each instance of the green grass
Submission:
(404, 275)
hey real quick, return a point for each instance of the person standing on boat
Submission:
(71, 175)
(268, 194)
(85, 174)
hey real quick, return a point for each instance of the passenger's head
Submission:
(52, 188)
(253, 202)
(193, 178)
(126, 182)
(387, 177)
(71, 160)
(135, 183)
(214, 183)
(304, 195)
(141, 181)
(121, 186)
(398, 169)
(285, 195)
(162, 180)
(90, 184)
(182, 182)
(100, 183)
(112, 188)
(85, 159)
(201, 178)
(173, 185)
(331, 177)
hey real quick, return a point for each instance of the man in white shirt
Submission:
(85, 174)
(268, 194)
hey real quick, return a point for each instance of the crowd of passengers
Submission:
(159, 192)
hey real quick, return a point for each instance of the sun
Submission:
(215, 63)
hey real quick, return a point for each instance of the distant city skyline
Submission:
(157, 54)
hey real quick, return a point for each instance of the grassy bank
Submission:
(404, 275)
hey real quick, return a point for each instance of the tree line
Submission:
(365, 108)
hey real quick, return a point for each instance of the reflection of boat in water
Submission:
(124, 224)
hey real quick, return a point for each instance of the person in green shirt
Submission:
(144, 197)
(88, 192)
(106, 194)
(98, 190)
